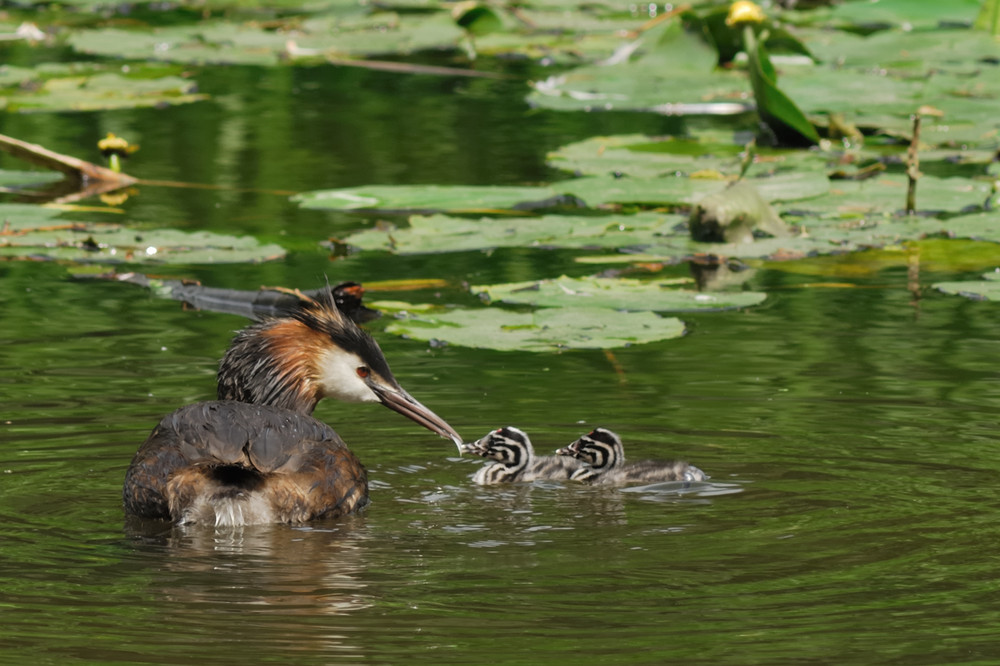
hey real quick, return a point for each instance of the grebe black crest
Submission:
(603, 454)
(515, 459)
(257, 455)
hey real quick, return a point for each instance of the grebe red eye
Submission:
(363, 372)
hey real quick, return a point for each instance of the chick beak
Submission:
(400, 401)
(573, 450)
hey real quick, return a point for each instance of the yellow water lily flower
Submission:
(744, 11)
(114, 148)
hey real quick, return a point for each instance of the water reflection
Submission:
(309, 570)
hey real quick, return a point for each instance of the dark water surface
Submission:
(850, 431)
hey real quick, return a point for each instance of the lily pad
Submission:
(901, 13)
(40, 232)
(722, 153)
(886, 194)
(442, 233)
(877, 82)
(424, 198)
(616, 293)
(672, 73)
(545, 330)
(987, 289)
(90, 86)
(592, 191)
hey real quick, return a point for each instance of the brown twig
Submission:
(79, 170)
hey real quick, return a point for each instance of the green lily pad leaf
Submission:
(616, 293)
(903, 13)
(223, 42)
(425, 198)
(40, 232)
(593, 191)
(202, 44)
(674, 72)
(987, 289)
(677, 191)
(549, 329)
(886, 194)
(442, 233)
(645, 157)
(89, 86)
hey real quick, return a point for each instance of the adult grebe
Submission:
(516, 459)
(256, 455)
(604, 455)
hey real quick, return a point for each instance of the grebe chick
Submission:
(256, 455)
(604, 456)
(516, 459)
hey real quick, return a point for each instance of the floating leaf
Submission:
(674, 72)
(424, 197)
(886, 194)
(90, 86)
(888, 13)
(645, 157)
(616, 293)
(442, 233)
(549, 329)
(592, 191)
(36, 231)
(987, 289)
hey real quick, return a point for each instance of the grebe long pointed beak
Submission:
(400, 401)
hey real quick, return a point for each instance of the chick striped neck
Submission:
(512, 450)
(600, 449)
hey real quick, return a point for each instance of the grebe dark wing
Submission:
(236, 463)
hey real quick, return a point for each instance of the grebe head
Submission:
(312, 353)
(508, 445)
(600, 448)
(348, 298)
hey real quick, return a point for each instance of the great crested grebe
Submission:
(516, 459)
(256, 455)
(604, 456)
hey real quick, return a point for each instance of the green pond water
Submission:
(849, 425)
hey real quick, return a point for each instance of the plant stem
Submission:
(913, 167)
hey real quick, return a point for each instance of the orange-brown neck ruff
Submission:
(274, 363)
